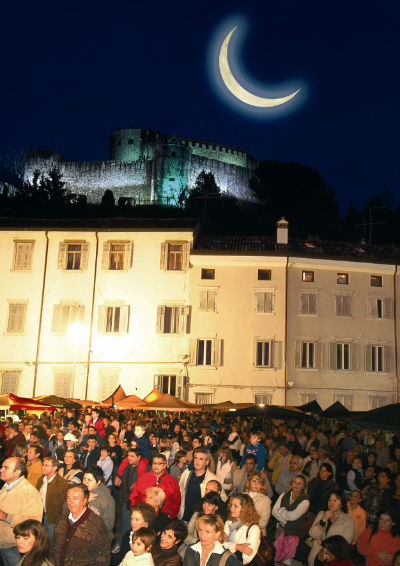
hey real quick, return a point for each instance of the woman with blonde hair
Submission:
(241, 528)
(256, 487)
(209, 549)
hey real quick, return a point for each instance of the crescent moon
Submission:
(237, 90)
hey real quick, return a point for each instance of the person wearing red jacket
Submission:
(158, 477)
(98, 423)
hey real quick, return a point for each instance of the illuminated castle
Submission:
(149, 167)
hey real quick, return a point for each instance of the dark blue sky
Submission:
(72, 72)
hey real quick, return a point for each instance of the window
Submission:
(172, 384)
(208, 273)
(208, 300)
(66, 314)
(175, 256)
(173, 153)
(263, 398)
(343, 356)
(306, 398)
(117, 256)
(113, 319)
(376, 280)
(108, 381)
(10, 381)
(73, 256)
(131, 141)
(16, 317)
(172, 319)
(62, 383)
(307, 276)
(342, 278)
(346, 399)
(376, 401)
(206, 352)
(264, 353)
(307, 355)
(308, 303)
(172, 178)
(380, 307)
(264, 301)
(264, 274)
(204, 398)
(343, 305)
(23, 253)
(378, 358)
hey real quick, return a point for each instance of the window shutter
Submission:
(102, 319)
(85, 255)
(338, 300)
(10, 382)
(62, 255)
(353, 356)
(299, 346)
(333, 355)
(368, 358)
(105, 260)
(128, 255)
(203, 301)
(193, 352)
(276, 354)
(373, 307)
(317, 355)
(157, 379)
(303, 303)
(124, 322)
(388, 308)
(387, 352)
(57, 319)
(346, 306)
(62, 384)
(186, 256)
(269, 302)
(164, 256)
(217, 352)
(179, 387)
(312, 303)
(160, 319)
(184, 313)
(259, 302)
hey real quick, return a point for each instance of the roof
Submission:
(102, 224)
(297, 247)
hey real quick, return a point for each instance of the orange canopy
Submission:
(166, 402)
(131, 402)
(118, 395)
(155, 394)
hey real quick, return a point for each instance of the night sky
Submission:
(73, 72)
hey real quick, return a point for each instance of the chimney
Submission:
(282, 231)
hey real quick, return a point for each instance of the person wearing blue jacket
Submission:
(141, 441)
(255, 447)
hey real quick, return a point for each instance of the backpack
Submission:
(265, 553)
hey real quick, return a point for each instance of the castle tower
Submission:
(170, 171)
(132, 144)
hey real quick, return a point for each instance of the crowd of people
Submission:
(102, 487)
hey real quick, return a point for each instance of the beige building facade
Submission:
(86, 308)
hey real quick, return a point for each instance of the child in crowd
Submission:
(255, 447)
(142, 542)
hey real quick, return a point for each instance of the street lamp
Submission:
(76, 333)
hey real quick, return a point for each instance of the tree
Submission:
(299, 193)
(45, 192)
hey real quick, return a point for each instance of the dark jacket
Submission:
(85, 543)
(297, 527)
(56, 496)
(169, 557)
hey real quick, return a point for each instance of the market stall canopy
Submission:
(58, 402)
(227, 406)
(311, 407)
(155, 394)
(15, 403)
(386, 418)
(85, 403)
(272, 412)
(130, 402)
(337, 410)
(166, 402)
(118, 395)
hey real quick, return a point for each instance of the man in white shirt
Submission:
(19, 501)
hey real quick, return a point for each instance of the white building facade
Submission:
(86, 308)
